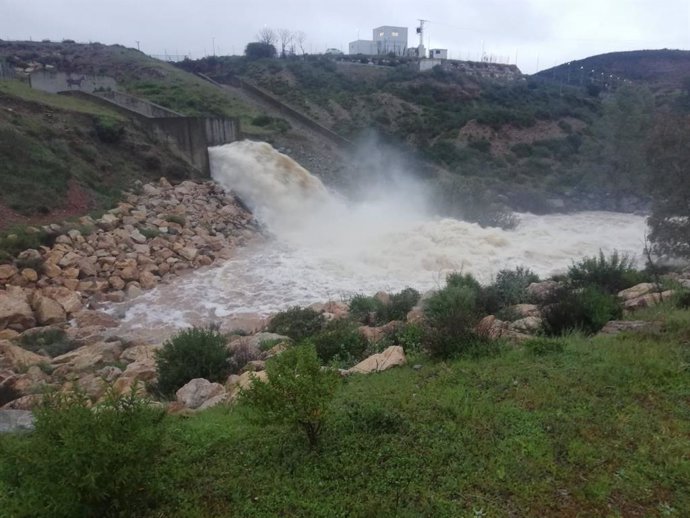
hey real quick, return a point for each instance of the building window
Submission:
(381, 34)
(394, 34)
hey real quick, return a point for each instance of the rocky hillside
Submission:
(532, 144)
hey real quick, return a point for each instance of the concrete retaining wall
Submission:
(54, 82)
(142, 107)
(189, 136)
(281, 106)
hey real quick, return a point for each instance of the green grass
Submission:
(597, 427)
(62, 102)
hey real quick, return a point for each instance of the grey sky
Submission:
(540, 33)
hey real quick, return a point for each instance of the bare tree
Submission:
(286, 37)
(267, 36)
(301, 38)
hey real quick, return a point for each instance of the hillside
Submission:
(662, 70)
(532, 144)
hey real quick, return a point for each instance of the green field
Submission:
(598, 428)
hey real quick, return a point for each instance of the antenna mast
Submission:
(420, 31)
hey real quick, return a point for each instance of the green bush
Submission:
(611, 274)
(371, 311)
(298, 391)
(410, 337)
(365, 309)
(53, 342)
(452, 313)
(108, 129)
(192, 353)
(340, 341)
(83, 461)
(509, 288)
(297, 323)
(400, 304)
(585, 309)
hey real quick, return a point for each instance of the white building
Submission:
(386, 40)
(389, 39)
(438, 53)
(366, 47)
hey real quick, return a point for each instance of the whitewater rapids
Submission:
(326, 248)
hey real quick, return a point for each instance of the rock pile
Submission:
(148, 238)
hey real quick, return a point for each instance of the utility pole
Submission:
(213, 42)
(138, 48)
(420, 31)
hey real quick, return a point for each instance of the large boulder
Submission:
(200, 393)
(17, 358)
(15, 311)
(68, 299)
(89, 356)
(645, 301)
(137, 373)
(391, 357)
(90, 318)
(615, 327)
(48, 311)
(637, 291)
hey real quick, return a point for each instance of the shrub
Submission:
(297, 323)
(410, 337)
(298, 391)
(452, 314)
(509, 288)
(371, 311)
(400, 304)
(53, 341)
(192, 353)
(611, 274)
(446, 342)
(365, 309)
(340, 341)
(85, 462)
(586, 309)
(108, 129)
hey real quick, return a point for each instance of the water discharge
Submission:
(326, 248)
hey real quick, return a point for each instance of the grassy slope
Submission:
(49, 144)
(600, 429)
(137, 74)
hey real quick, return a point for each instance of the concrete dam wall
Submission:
(189, 136)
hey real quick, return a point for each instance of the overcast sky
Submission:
(540, 33)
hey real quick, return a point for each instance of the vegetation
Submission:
(372, 311)
(609, 274)
(83, 461)
(298, 392)
(586, 309)
(340, 342)
(192, 353)
(297, 323)
(603, 420)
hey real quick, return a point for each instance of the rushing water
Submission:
(325, 248)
